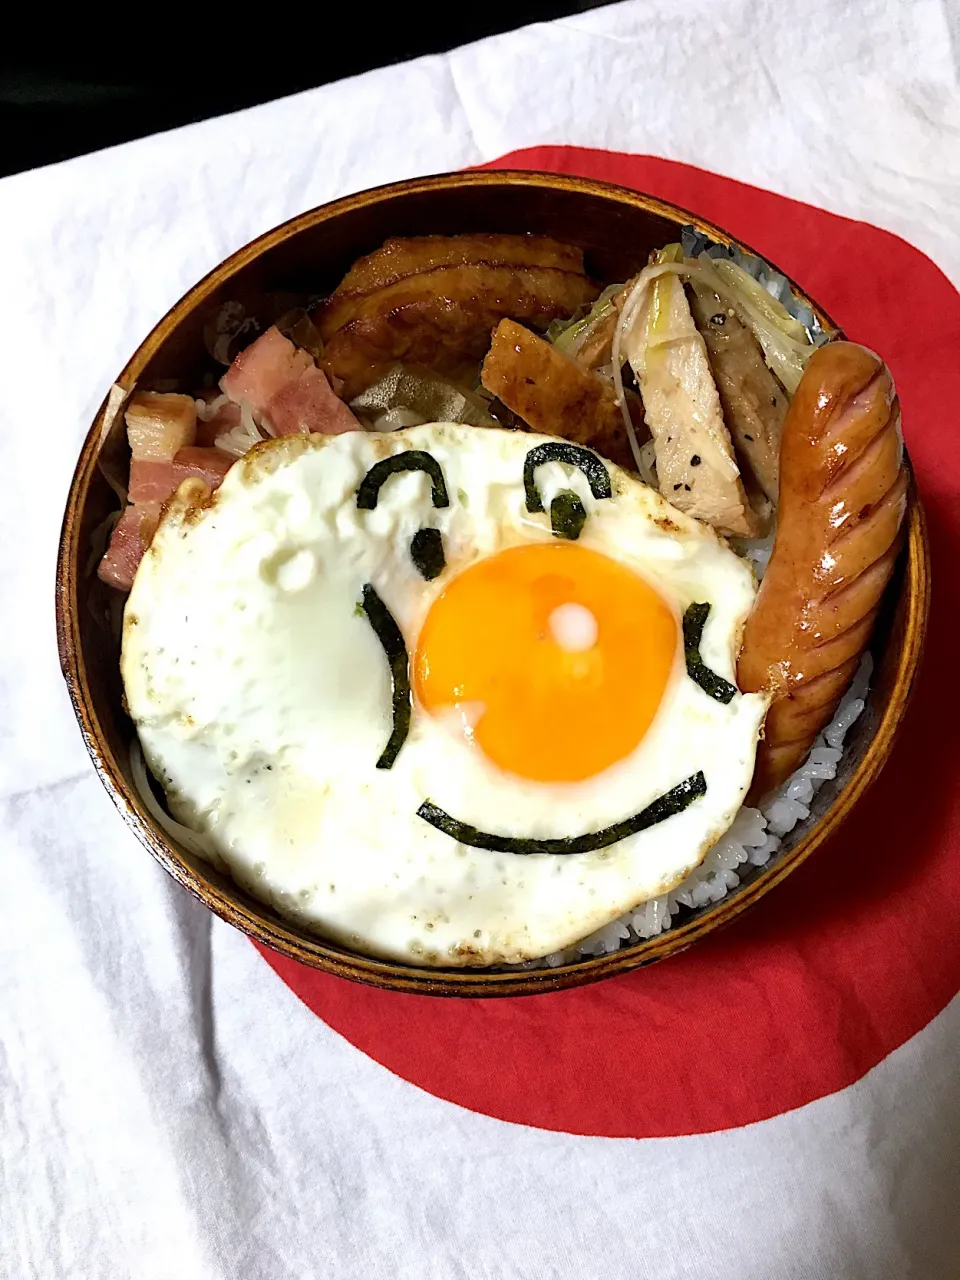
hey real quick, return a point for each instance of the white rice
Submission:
(751, 841)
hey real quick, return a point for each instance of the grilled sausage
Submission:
(843, 490)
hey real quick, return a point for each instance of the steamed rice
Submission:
(751, 841)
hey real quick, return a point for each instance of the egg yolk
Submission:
(554, 656)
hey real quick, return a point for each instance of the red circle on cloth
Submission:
(859, 949)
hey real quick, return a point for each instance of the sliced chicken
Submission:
(443, 318)
(754, 403)
(400, 258)
(553, 394)
(696, 467)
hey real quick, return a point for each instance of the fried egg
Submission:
(427, 692)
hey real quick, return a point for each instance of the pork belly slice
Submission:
(400, 258)
(443, 319)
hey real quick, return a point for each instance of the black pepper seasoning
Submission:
(746, 437)
(719, 318)
(695, 460)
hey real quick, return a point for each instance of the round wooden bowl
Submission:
(308, 255)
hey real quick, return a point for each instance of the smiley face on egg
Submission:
(449, 695)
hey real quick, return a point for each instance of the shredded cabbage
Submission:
(207, 410)
(769, 306)
(241, 438)
(784, 341)
(569, 335)
(406, 390)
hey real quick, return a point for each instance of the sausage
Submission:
(843, 493)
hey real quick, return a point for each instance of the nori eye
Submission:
(388, 633)
(557, 451)
(426, 552)
(411, 460)
(665, 806)
(567, 515)
(694, 621)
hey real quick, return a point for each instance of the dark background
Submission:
(52, 109)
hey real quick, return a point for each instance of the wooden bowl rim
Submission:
(385, 974)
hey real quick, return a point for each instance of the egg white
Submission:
(262, 698)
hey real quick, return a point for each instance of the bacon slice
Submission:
(128, 542)
(159, 424)
(309, 404)
(263, 369)
(553, 394)
(152, 482)
(155, 481)
(285, 389)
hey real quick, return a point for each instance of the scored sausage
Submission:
(843, 493)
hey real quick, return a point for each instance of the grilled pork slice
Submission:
(754, 403)
(552, 394)
(443, 318)
(401, 258)
(696, 467)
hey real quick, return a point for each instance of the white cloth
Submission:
(167, 1106)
